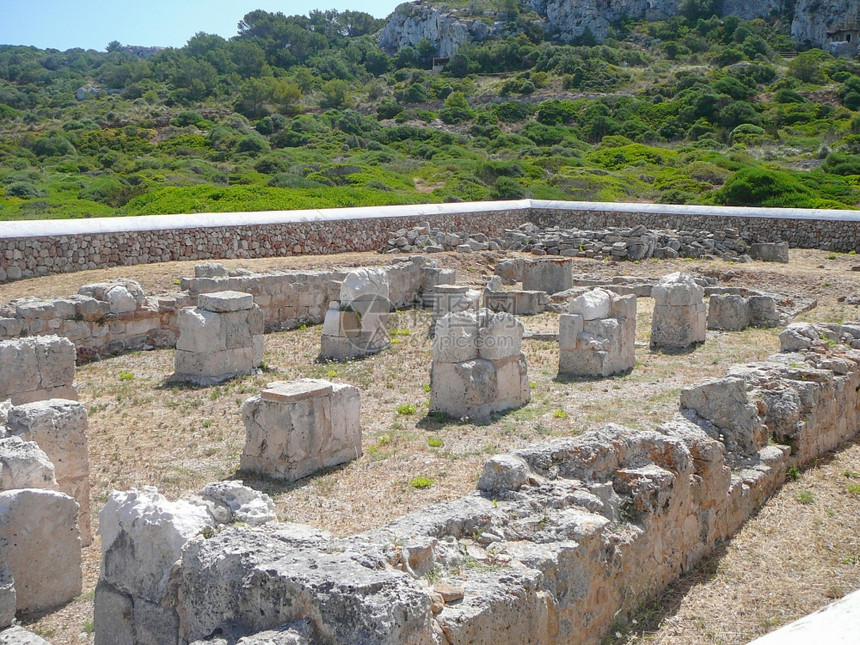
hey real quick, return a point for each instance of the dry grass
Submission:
(144, 431)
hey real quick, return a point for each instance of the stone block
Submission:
(680, 315)
(456, 338)
(769, 251)
(40, 545)
(548, 274)
(591, 305)
(210, 270)
(623, 307)
(370, 281)
(499, 336)
(728, 312)
(722, 408)
(231, 501)
(8, 598)
(225, 301)
(199, 331)
(503, 473)
(24, 465)
(142, 536)
(59, 427)
(36, 368)
(113, 616)
(20, 636)
(294, 429)
(763, 311)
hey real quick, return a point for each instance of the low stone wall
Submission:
(116, 317)
(560, 540)
(35, 248)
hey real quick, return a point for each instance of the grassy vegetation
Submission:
(307, 112)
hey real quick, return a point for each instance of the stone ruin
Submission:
(478, 365)
(619, 243)
(36, 368)
(679, 319)
(143, 535)
(547, 274)
(220, 338)
(294, 429)
(355, 325)
(59, 428)
(598, 335)
(559, 541)
(447, 299)
(737, 311)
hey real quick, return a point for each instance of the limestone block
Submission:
(344, 348)
(519, 303)
(8, 598)
(548, 274)
(20, 636)
(591, 305)
(371, 281)
(40, 544)
(216, 366)
(448, 299)
(242, 503)
(113, 616)
(294, 429)
(769, 251)
(678, 327)
(763, 311)
(503, 473)
(511, 271)
(623, 306)
(463, 389)
(24, 465)
(456, 338)
(499, 336)
(120, 299)
(199, 331)
(728, 312)
(570, 326)
(142, 536)
(722, 408)
(59, 427)
(225, 301)
(677, 289)
(798, 336)
(210, 270)
(37, 367)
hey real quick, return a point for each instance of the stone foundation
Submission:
(478, 365)
(598, 336)
(220, 338)
(34, 369)
(679, 318)
(59, 427)
(294, 429)
(560, 540)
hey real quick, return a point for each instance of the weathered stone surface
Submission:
(728, 312)
(248, 575)
(221, 341)
(8, 598)
(59, 427)
(591, 345)
(20, 636)
(679, 318)
(372, 281)
(294, 429)
(723, 409)
(223, 302)
(24, 465)
(548, 274)
(503, 473)
(242, 504)
(798, 336)
(142, 536)
(40, 545)
(210, 270)
(36, 368)
(769, 251)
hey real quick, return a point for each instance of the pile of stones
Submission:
(618, 243)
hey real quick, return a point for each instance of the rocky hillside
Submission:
(446, 28)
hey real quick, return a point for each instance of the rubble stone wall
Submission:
(558, 542)
(29, 249)
(117, 317)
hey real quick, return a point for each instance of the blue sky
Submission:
(92, 24)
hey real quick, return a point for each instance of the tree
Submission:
(113, 46)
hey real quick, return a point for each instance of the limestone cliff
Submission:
(816, 23)
(445, 29)
(819, 23)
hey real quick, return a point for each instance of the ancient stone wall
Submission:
(29, 249)
(560, 540)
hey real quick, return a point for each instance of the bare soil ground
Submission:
(797, 554)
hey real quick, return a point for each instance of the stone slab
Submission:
(225, 301)
(289, 391)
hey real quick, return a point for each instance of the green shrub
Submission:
(763, 187)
